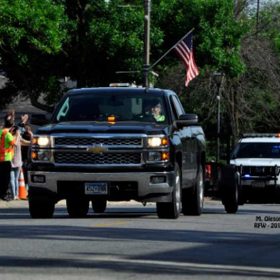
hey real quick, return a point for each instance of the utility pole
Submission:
(218, 79)
(147, 21)
(257, 16)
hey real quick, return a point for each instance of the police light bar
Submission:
(119, 85)
(252, 135)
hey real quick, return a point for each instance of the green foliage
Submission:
(269, 22)
(220, 37)
(38, 24)
(41, 42)
(277, 42)
(32, 33)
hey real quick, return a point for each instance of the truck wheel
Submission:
(99, 205)
(39, 208)
(193, 198)
(77, 207)
(229, 189)
(172, 210)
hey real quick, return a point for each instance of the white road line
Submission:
(236, 268)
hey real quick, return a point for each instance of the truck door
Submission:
(188, 145)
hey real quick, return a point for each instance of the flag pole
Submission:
(167, 52)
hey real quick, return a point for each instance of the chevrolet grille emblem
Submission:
(97, 149)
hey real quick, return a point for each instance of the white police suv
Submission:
(256, 158)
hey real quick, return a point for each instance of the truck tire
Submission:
(77, 207)
(229, 189)
(172, 210)
(39, 208)
(99, 205)
(193, 198)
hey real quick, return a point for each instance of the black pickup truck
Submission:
(106, 144)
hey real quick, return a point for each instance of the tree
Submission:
(29, 40)
(89, 41)
(84, 40)
(217, 46)
(108, 38)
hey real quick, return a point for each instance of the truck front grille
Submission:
(89, 141)
(97, 159)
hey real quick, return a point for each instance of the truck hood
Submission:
(256, 161)
(103, 127)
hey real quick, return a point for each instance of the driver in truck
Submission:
(156, 111)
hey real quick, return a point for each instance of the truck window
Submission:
(176, 107)
(125, 107)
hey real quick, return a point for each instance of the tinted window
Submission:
(257, 150)
(125, 107)
(176, 107)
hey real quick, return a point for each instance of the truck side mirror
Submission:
(186, 119)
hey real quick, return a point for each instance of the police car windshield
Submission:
(124, 107)
(256, 150)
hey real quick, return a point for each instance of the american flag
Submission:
(185, 50)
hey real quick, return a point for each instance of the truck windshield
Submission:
(257, 150)
(124, 107)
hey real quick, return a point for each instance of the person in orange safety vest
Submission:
(6, 155)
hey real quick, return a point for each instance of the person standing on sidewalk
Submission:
(17, 160)
(16, 163)
(6, 155)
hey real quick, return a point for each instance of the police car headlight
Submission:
(156, 142)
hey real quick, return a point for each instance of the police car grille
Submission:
(97, 159)
(258, 170)
(90, 141)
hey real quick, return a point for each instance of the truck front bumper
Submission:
(148, 186)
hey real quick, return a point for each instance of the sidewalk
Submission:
(61, 203)
(14, 204)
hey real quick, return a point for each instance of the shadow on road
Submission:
(215, 253)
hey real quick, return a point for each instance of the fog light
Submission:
(158, 179)
(154, 156)
(41, 155)
(38, 178)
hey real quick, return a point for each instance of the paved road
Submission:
(130, 242)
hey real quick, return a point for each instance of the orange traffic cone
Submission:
(22, 193)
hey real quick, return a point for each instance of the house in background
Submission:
(20, 105)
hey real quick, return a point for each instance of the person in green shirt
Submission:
(157, 112)
(6, 155)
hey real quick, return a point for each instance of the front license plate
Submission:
(258, 184)
(96, 188)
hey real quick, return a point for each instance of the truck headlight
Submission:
(41, 141)
(155, 142)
